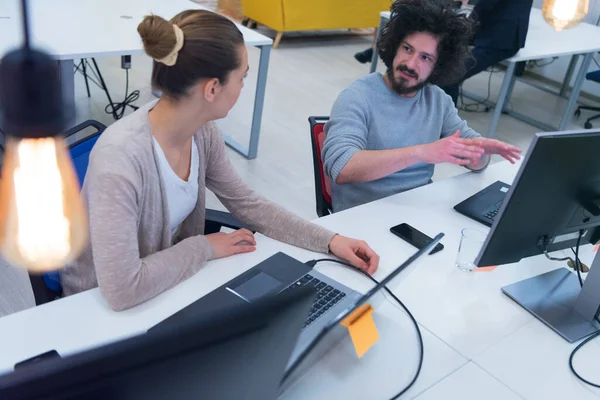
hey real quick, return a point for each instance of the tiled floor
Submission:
(305, 76)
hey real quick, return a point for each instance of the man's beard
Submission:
(400, 86)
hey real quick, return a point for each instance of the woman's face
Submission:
(230, 91)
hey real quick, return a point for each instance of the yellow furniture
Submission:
(307, 15)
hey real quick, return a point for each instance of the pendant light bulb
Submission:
(43, 224)
(564, 14)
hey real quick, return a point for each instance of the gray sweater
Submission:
(370, 116)
(130, 256)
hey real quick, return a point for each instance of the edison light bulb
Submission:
(43, 224)
(563, 14)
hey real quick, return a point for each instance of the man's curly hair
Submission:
(439, 18)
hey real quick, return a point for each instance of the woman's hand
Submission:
(228, 244)
(356, 252)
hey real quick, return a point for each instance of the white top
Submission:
(544, 42)
(182, 196)
(72, 29)
(463, 316)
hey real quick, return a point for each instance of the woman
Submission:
(148, 174)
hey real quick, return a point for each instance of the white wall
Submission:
(556, 71)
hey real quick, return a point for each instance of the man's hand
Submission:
(452, 149)
(228, 244)
(356, 252)
(493, 146)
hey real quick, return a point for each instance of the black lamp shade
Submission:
(31, 99)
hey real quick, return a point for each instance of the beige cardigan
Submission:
(130, 256)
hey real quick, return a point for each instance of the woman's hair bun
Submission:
(157, 35)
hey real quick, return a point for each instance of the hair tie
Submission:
(171, 58)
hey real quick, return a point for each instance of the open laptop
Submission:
(196, 359)
(280, 274)
(485, 205)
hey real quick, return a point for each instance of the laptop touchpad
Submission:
(256, 287)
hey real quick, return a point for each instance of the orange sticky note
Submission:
(596, 247)
(485, 269)
(362, 329)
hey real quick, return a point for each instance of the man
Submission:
(502, 31)
(386, 133)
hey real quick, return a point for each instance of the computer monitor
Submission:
(555, 195)
(240, 354)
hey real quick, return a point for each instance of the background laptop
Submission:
(485, 205)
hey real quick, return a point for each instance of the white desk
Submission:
(542, 42)
(74, 29)
(10, 26)
(478, 342)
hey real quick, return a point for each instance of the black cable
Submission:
(578, 266)
(545, 243)
(25, 20)
(475, 107)
(577, 262)
(592, 337)
(118, 109)
(549, 257)
(412, 318)
(572, 356)
(538, 64)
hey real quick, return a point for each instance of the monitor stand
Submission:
(557, 299)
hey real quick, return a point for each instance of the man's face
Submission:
(414, 62)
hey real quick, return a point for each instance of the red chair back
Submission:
(322, 181)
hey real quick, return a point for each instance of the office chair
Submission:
(47, 287)
(594, 77)
(322, 181)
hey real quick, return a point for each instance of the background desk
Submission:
(542, 42)
(75, 29)
(478, 342)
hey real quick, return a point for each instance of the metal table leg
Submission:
(567, 81)
(568, 115)
(511, 86)
(67, 81)
(259, 99)
(382, 21)
(502, 97)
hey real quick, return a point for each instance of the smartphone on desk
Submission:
(414, 237)
(37, 359)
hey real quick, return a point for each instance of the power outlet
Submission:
(126, 62)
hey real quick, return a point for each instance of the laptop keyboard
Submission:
(493, 211)
(327, 296)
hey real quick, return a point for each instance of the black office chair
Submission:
(47, 287)
(595, 77)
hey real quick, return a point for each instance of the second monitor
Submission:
(553, 204)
